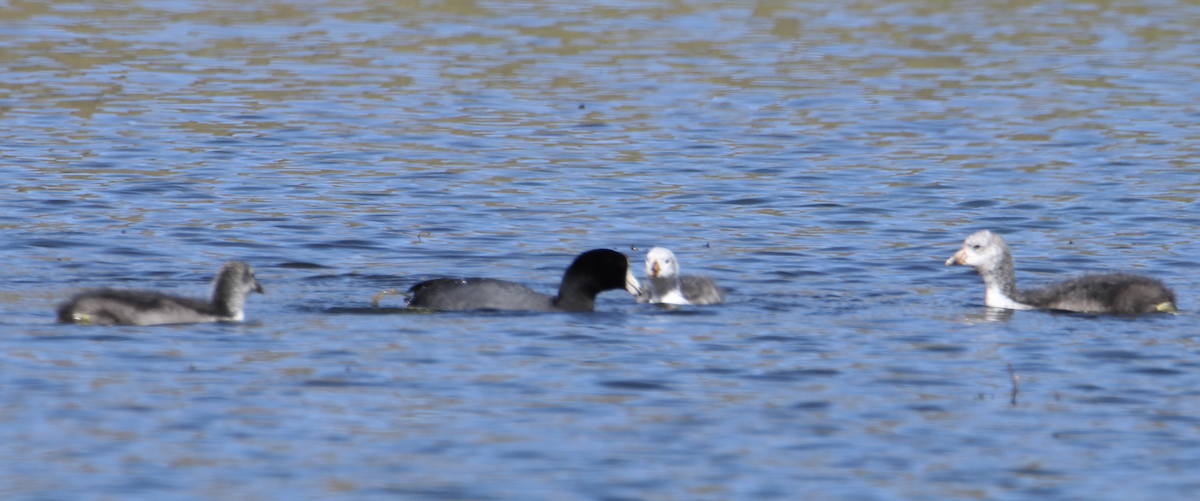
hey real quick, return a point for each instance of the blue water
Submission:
(819, 160)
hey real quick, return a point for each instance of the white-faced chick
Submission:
(1110, 293)
(664, 284)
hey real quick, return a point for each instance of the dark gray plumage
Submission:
(141, 307)
(1111, 293)
(664, 284)
(591, 273)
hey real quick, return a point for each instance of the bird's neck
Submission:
(1001, 283)
(576, 294)
(228, 300)
(574, 303)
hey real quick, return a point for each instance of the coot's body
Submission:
(478, 294)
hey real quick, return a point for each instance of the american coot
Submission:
(664, 284)
(1111, 293)
(592, 272)
(140, 307)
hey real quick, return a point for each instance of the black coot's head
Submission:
(593, 272)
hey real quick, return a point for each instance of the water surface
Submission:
(821, 160)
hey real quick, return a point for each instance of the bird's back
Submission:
(477, 294)
(700, 289)
(1110, 293)
(138, 307)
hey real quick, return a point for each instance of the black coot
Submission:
(592, 272)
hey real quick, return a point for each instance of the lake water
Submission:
(820, 159)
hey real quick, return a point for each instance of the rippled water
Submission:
(819, 159)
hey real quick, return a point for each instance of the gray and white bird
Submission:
(1109, 293)
(142, 307)
(664, 284)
